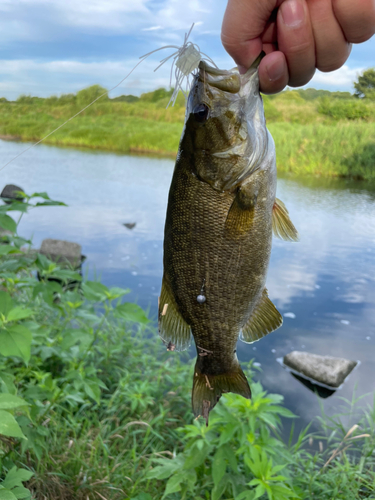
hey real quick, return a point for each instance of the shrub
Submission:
(344, 109)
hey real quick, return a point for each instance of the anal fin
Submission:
(282, 226)
(173, 329)
(264, 319)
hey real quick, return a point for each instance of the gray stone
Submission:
(324, 370)
(61, 251)
(10, 193)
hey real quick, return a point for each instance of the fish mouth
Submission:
(228, 81)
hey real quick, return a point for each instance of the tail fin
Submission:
(207, 389)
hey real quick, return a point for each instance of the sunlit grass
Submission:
(325, 136)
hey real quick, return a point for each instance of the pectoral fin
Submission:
(282, 226)
(264, 319)
(173, 330)
(241, 214)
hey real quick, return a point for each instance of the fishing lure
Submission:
(185, 61)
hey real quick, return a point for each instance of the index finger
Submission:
(243, 24)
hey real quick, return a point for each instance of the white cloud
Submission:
(153, 28)
(341, 78)
(61, 77)
(32, 19)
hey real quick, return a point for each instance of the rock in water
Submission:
(62, 251)
(129, 225)
(323, 369)
(10, 193)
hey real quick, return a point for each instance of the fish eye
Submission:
(200, 112)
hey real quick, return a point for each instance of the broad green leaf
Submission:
(131, 312)
(42, 194)
(9, 401)
(246, 495)
(19, 313)
(15, 477)
(173, 485)
(231, 457)
(6, 494)
(259, 491)
(47, 289)
(168, 467)
(95, 291)
(92, 390)
(218, 466)
(7, 249)
(8, 223)
(218, 491)
(16, 341)
(6, 383)
(197, 457)
(6, 303)
(116, 292)
(51, 204)
(66, 275)
(142, 496)
(43, 262)
(17, 206)
(73, 336)
(9, 426)
(21, 493)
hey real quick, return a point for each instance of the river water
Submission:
(324, 285)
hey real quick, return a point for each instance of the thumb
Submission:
(243, 24)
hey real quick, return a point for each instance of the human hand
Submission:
(297, 36)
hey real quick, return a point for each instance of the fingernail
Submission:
(274, 70)
(292, 13)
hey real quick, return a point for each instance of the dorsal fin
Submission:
(173, 329)
(282, 226)
(264, 319)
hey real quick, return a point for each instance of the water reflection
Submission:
(325, 282)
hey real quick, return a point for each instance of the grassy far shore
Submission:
(316, 132)
(93, 407)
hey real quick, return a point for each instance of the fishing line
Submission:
(185, 60)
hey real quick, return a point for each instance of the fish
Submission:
(222, 211)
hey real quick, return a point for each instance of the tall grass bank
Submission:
(320, 133)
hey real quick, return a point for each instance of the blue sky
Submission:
(50, 47)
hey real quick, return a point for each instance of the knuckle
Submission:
(302, 48)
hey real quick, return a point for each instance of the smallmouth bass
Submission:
(222, 208)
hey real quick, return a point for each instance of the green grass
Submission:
(330, 136)
(93, 407)
(343, 149)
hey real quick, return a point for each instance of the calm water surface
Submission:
(326, 282)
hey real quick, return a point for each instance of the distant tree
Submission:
(3, 99)
(156, 95)
(85, 96)
(365, 87)
(125, 98)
